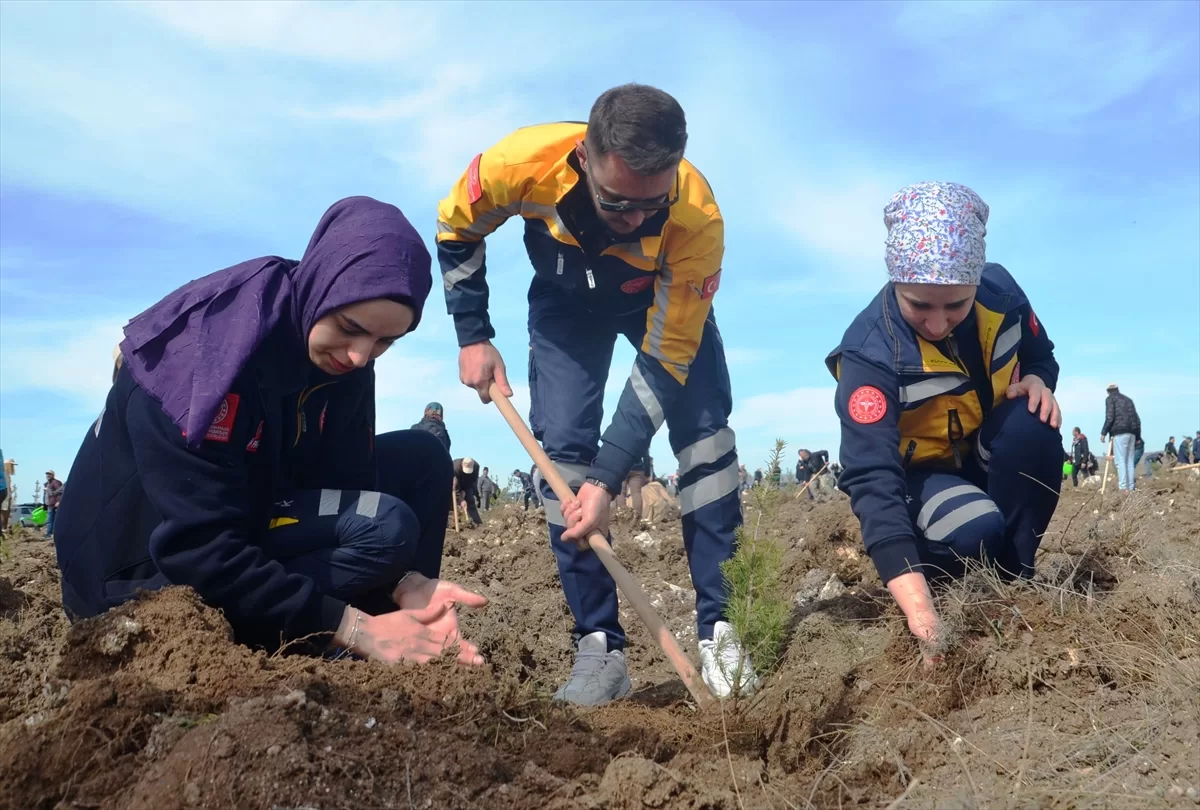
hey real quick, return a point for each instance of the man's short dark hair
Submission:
(642, 125)
(1076, 430)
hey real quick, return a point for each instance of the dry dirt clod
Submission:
(1194, 795)
(832, 589)
(123, 631)
(811, 585)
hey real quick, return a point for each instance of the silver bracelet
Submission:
(354, 629)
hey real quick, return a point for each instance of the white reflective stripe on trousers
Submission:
(709, 489)
(946, 525)
(706, 451)
(331, 502)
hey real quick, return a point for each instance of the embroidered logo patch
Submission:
(474, 184)
(1034, 326)
(222, 425)
(710, 286)
(636, 285)
(252, 447)
(867, 405)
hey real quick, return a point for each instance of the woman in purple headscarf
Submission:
(945, 392)
(237, 454)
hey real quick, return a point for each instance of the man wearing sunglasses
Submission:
(625, 238)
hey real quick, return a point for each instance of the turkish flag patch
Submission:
(1034, 326)
(710, 286)
(222, 425)
(474, 184)
(867, 405)
(636, 285)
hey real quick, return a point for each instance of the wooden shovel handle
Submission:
(628, 585)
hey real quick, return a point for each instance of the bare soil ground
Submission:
(1080, 691)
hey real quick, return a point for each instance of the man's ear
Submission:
(581, 155)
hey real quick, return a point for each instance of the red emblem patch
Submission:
(222, 425)
(867, 405)
(710, 286)
(1034, 326)
(252, 447)
(636, 285)
(474, 185)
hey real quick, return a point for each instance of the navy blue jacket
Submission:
(144, 511)
(437, 427)
(909, 426)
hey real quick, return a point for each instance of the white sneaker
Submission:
(598, 676)
(724, 666)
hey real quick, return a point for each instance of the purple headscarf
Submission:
(187, 350)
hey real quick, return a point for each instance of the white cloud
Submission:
(740, 356)
(1047, 64)
(344, 32)
(69, 358)
(778, 411)
(842, 220)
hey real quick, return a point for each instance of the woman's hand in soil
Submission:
(418, 592)
(1041, 399)
(587, 513)
(417, 636)
(911, 592)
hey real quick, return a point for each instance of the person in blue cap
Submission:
(236, 454)
(945, 391)
(434, 422)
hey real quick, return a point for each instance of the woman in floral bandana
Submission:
(950, 429)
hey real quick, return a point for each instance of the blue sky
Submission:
(145, 144)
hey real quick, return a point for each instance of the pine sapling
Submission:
(757, 608)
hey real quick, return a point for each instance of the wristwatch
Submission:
(596, 482)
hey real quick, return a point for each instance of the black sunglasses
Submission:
(625, 206)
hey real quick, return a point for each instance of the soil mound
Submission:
(1078, 690)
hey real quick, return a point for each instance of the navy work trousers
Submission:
(356, 545)
(998, 506)
(569, 358)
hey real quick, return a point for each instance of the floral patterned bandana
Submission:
(935, 234)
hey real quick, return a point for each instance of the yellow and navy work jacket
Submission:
(669, 268)
(906, 403)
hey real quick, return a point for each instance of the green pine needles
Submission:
(758, 608)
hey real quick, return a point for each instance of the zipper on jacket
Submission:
(952, 353)
(953, 426)
(559, 271)
(908, 453)
(300, 417)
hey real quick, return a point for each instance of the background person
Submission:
(1122, 422)
(433, 421)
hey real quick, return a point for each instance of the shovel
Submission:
(628, 585)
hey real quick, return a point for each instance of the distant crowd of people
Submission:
(40, 513)
(1123, 427)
